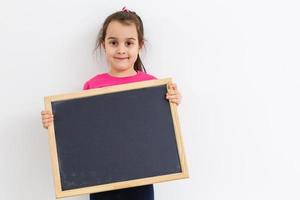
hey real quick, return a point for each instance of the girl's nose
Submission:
(121, 49)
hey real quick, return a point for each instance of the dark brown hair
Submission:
(125, 17)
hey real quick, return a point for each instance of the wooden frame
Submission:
(117, 185)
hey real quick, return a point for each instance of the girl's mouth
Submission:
(121, 58)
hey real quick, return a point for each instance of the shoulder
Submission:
(146, 76)
(95, 80)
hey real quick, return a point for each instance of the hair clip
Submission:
(124, 9)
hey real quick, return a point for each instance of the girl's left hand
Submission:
(173, 94)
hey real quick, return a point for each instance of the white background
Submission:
(235, 62)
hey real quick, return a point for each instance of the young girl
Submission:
(121, 37)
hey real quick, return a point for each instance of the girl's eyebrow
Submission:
(114, 38)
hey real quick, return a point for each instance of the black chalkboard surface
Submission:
(115, 137)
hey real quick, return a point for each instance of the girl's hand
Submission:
(47, 118)
(173, 94)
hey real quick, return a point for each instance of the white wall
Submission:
(236, 64)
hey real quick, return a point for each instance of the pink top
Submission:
(105, 79)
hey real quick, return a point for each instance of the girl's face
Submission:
(121, 47)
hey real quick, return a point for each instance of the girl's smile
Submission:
(121, 58)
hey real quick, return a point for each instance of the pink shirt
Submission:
(105, 79)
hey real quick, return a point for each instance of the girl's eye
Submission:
(129, 43)
(114, 43)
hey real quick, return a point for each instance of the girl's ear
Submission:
(141, 45)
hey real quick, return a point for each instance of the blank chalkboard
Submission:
(114, 137)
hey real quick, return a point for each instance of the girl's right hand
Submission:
(47, 118)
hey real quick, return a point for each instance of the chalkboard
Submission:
(114, 137)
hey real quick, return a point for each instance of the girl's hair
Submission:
(125, 17)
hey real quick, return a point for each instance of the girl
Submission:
(121, 37)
